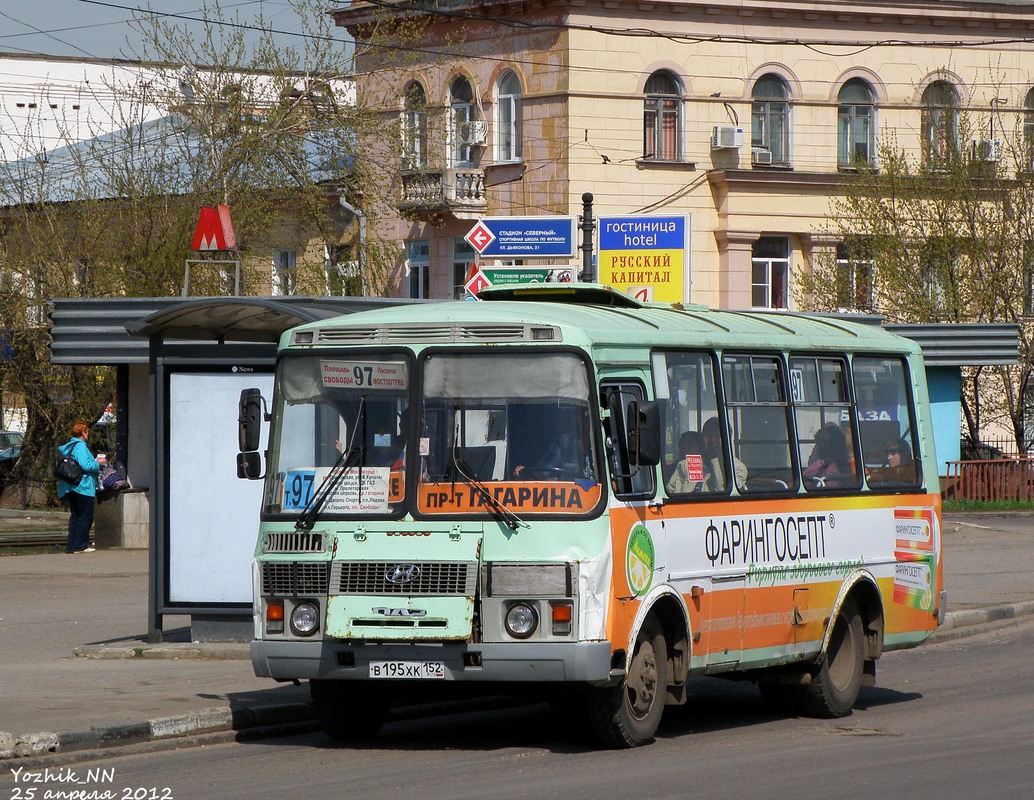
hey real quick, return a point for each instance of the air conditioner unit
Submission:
(726, 136)
(474, 133)
(988, 150)
(760, 155)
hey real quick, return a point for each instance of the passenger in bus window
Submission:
(845, 428)
(829, 457)
(714, 457)
(899, 465)
(690, 473)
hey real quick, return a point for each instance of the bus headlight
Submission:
(305, 619)
(521, 620)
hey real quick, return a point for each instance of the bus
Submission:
(561, 489)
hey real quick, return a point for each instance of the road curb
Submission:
(958, 624)
(207, 720)
(166, 651)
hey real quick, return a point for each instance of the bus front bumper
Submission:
(349, 660)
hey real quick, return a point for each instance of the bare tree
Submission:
(231, 116)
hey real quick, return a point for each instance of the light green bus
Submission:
(563, 489)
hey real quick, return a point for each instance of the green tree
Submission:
(942, 237)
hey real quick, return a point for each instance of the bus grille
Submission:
(443, 578)
(293, 579)
(426, 333)
(294, 542)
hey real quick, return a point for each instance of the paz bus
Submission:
(561, 488)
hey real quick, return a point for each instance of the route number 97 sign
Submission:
(365, 375)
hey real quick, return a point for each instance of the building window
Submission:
(463, 259)
(344, 276)
(419, 263)
(1028, 131)
(461, 114)
(1028, 279)
(770, 118)
(770, 271)
(662, 118)
(285, 272)
(855, 278)
(939, 124)
(855, 124)
(939, 260)
(508, 118)
(414, 127)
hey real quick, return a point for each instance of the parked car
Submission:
(10, 449)
(10, 445)
(977, 451)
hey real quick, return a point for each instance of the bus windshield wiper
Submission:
(351, 456)
(500, 512)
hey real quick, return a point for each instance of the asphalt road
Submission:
(948, 720)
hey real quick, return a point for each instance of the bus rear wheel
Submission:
(627, 715)
(349, 711)
(837, 680)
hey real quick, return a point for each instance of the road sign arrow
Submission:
(479, 237)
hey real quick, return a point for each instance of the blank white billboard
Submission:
(213, 515)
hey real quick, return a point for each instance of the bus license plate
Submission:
(407, 669)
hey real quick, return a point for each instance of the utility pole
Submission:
(587, 227)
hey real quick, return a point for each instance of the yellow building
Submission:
(740, 116)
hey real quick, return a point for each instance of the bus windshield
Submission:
(513, 429)
(502, 435)
(342, 424)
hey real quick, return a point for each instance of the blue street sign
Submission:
(525, 237)
(643, 232)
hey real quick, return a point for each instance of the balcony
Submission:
(460, 192)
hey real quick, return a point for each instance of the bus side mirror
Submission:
(249, 420)
(644, 433)
(249, 465)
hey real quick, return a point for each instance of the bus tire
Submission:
(837, 680)
(627, 715)
(348, 711)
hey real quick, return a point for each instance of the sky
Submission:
(100, 28)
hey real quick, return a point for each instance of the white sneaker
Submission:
(87, 550)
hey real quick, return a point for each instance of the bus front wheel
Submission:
(627, 715)
(348, 710)
(837, 680)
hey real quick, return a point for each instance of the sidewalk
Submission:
(77, 674)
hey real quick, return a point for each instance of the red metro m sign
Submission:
(214, 230)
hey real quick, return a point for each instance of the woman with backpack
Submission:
(80, 496)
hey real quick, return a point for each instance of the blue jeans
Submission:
(80, 521)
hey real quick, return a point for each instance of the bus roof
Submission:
(596, 316)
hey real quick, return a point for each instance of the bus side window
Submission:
(757, 412)
(825, 423)
(886, 423)
(694, 457)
